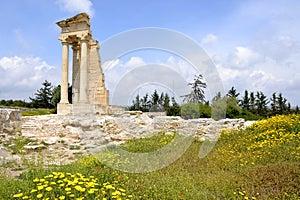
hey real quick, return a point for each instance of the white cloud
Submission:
(279, 48)
(248, 69)
(110, 64)
(134, 62)
(244, 57)
(20, 77)
(259, 79)
(74, 6)
(134, 75)
(209, 38)
(186, 70)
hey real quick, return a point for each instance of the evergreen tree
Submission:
(297, 109)
(166, 101)
(174, 103)
(136, 105)
(55, 95)
(145, 103)
(245, 102)
(197, 93)
(261, 103)
(281, 101)
(161, 99)
(252, 102)
(233, 93)
(154, 98)
(173, 110)
(273, 100)
(43, 96)
(232, 109)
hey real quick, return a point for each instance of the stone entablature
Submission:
(88, 87)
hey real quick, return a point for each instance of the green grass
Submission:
(261, 162)
(37, 111)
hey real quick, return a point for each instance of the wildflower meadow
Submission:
(261, 162)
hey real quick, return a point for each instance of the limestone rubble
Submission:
(63, 137)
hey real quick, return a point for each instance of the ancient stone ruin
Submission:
(60, 139)
(89, 93)
(10, 122)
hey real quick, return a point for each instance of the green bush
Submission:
(190, 111)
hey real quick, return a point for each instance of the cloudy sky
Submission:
(253, 43)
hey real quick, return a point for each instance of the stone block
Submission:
(63, 108)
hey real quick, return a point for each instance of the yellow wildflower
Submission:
(18, 195)
(40, 187)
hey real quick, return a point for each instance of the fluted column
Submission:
(83, 93)
(65, 74)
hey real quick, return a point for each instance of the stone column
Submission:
(83, 91)
(65, 71)
(75, 72)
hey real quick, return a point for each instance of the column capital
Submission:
(64, 39)
(75, 46)
(84, 36)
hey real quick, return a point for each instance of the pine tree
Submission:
(252, 103)
(297, 109)
(245, 102)
(281, 101)
(136, 104)
(161, 99)
(145, 103)
(261, 103)
(166, 101)
(233, 93)
(154, 98)
(43, 96)
(197, 93)
(274, 103)
(173, 110)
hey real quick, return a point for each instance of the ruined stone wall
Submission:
(10, 121)
(98, 94)
(94, 129)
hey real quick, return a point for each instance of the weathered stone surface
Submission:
(88, 86)
(97, 130)
(63, 137)
(10, 122)
(34, 146)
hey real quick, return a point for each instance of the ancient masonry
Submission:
(88, 88)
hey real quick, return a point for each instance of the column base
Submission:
(64, 108)
(83, 108)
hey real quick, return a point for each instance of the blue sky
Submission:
(254, 44)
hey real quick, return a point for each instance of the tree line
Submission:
(255, 105)
(252, 105)
(46, 97)
(156, 103)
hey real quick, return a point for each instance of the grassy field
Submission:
(37, 111)
(262, 162)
